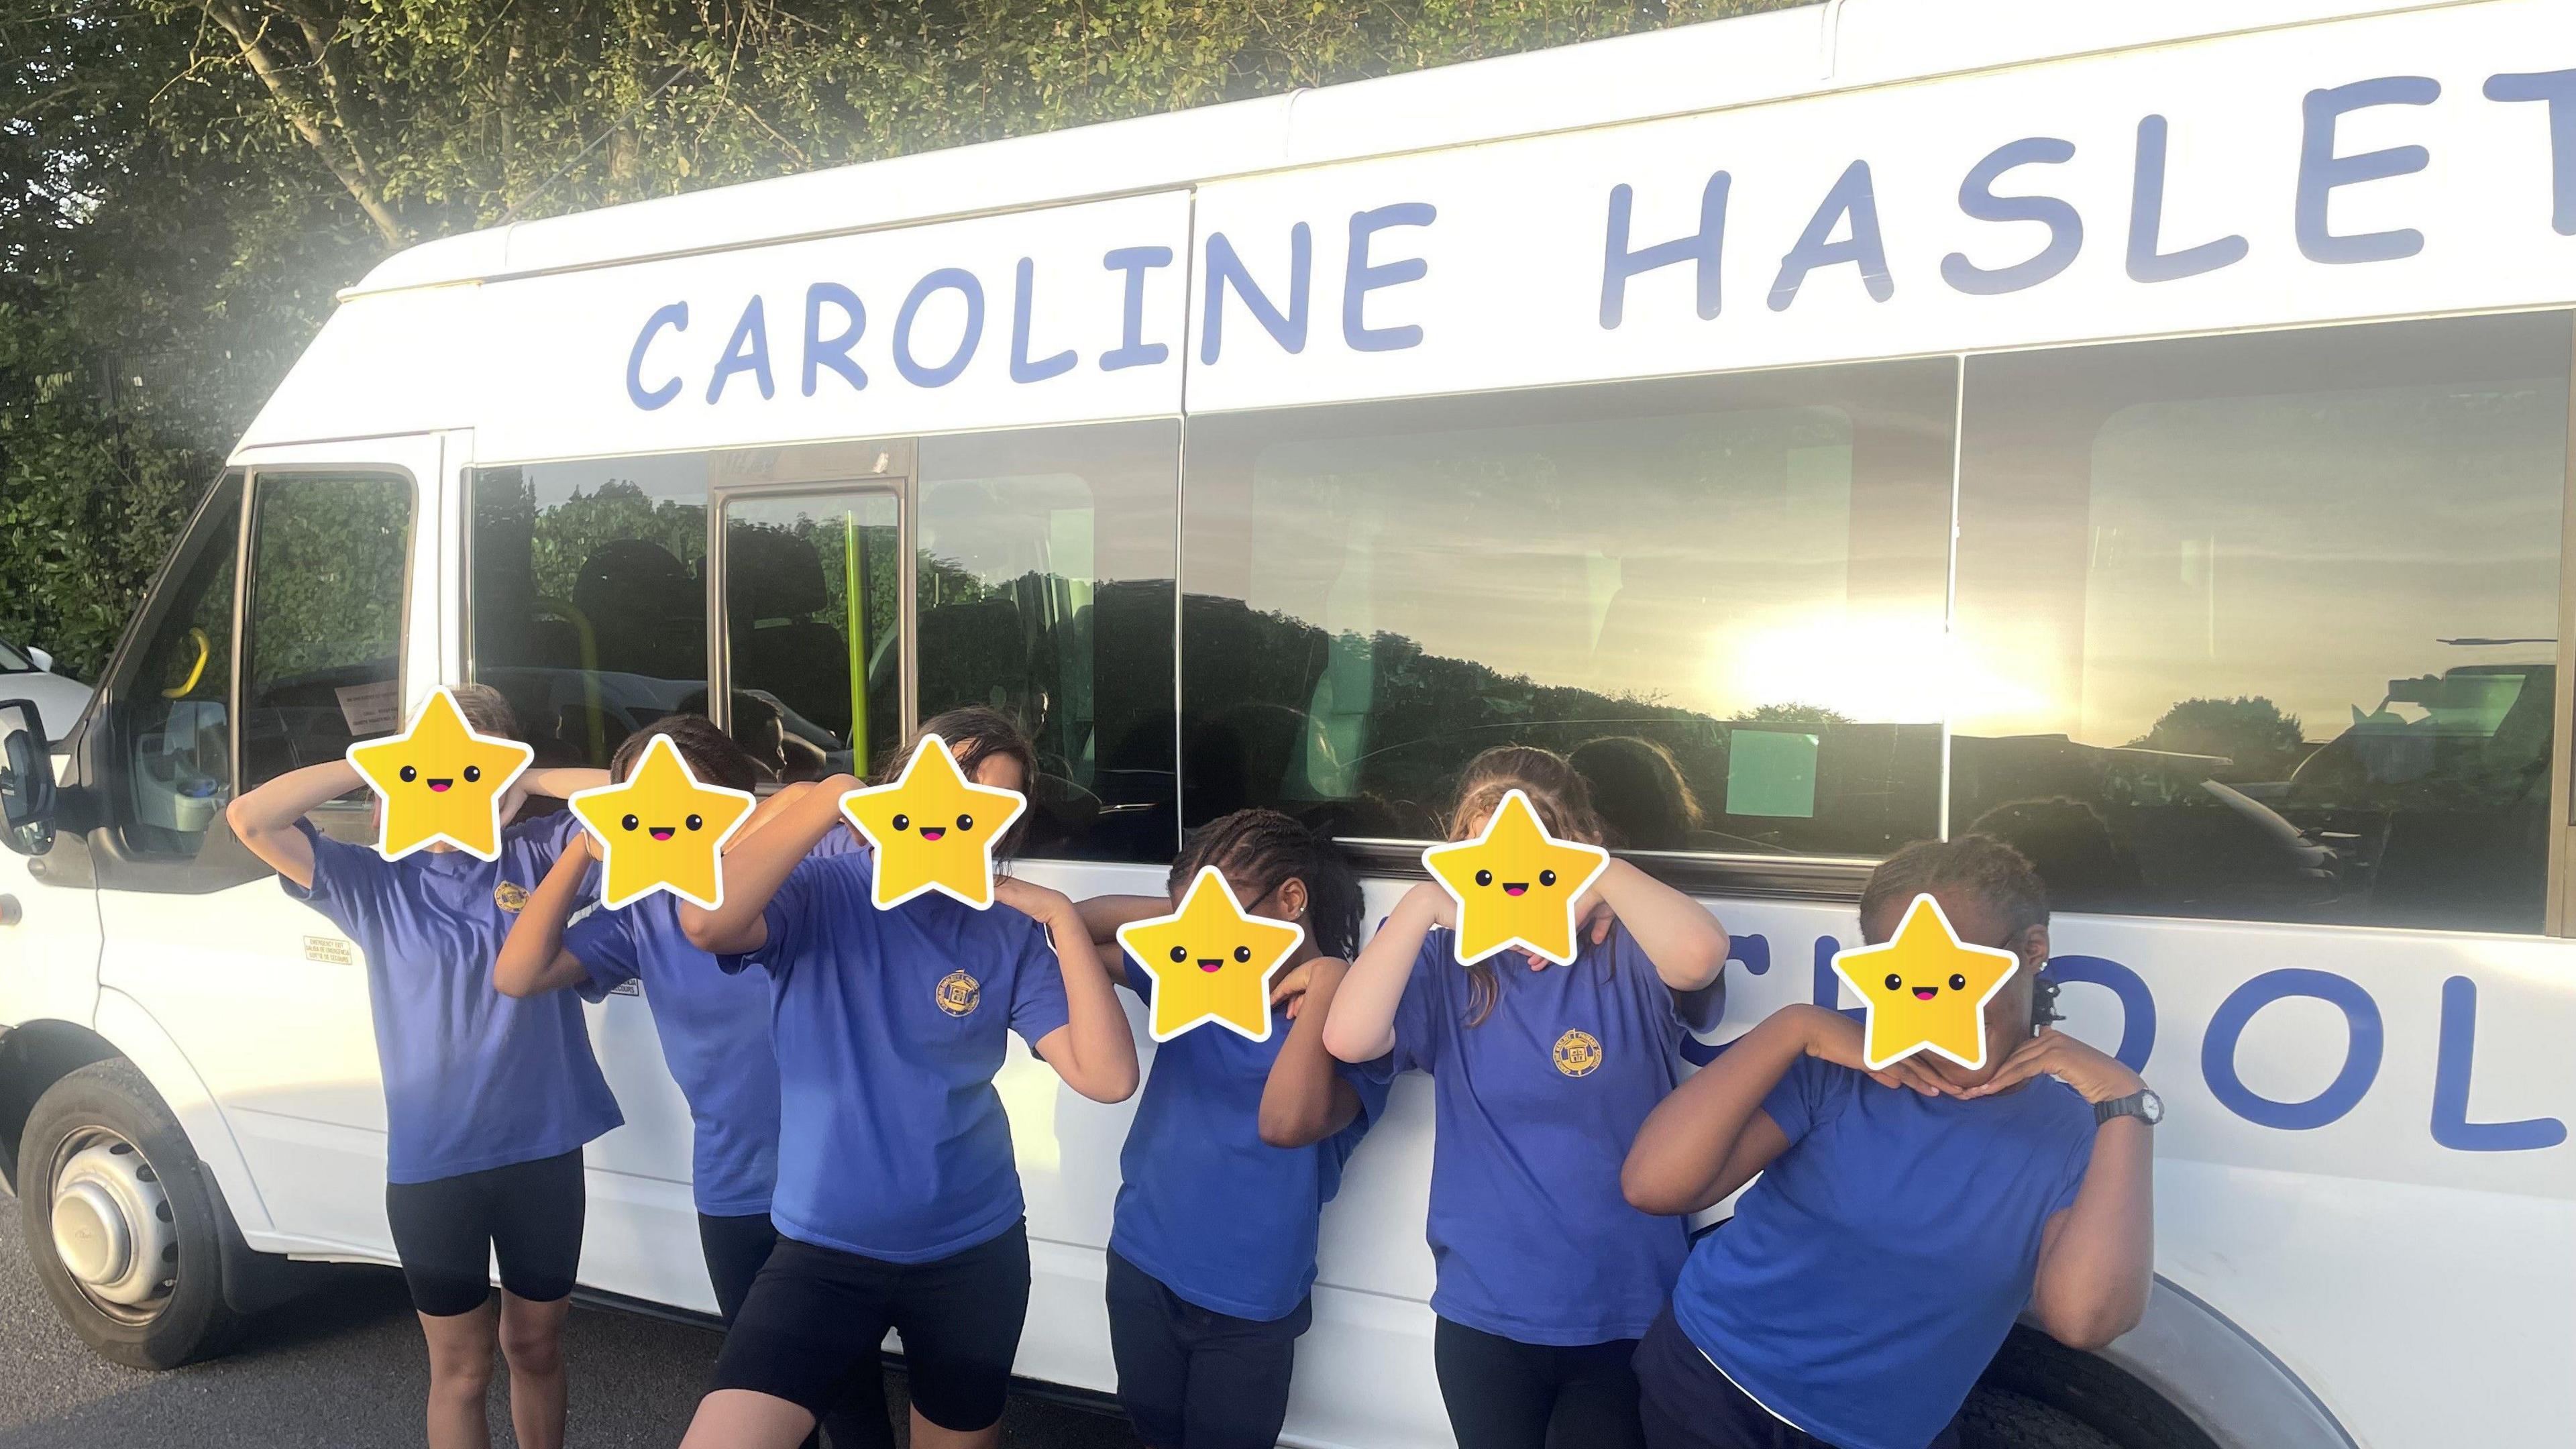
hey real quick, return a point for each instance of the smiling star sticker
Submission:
(933, 828)
(1211, 961)
(1925, 989)
(661, 830)
(1515, 885)
(441, 781)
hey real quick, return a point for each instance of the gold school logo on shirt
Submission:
(510, 896)
(958, 993)
(1578, 1053)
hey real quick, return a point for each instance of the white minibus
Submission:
(2137, 430)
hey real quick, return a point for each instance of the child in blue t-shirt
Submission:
(1235, 1149)
(714, 1024)
(1903, 1218)
(1540, 1077)
(488, 1100)
(897, 1203)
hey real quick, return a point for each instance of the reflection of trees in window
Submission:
(2249, 735)
(327, 576)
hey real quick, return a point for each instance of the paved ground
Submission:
(343, 1368)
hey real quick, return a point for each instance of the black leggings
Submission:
(446, 1233)
(1193, 1378)
(736, 1247)
(1504, 1394)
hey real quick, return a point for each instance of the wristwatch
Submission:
(2142, 1104)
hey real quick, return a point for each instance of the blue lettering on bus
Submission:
(833, 351)
(674, 316)
(946, 279)
(2364, 1045)
(746, 351)
(2321, 170)
(2148, 262)
(2558, 88)
(1225, 269)
(1132, 349)
(2452, 1068)
(1754, 951)
(2137, 1003)
(1977, 198)
(1022, 369)
(1852, 198)
(1703, 248)
(1361, 278)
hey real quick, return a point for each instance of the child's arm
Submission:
(1103, 915)
(532, 960)
(563, 781)
(757, 866)
(1677, 933)
(1306, 1100)
(1361, 1025)
(1710, 1136)
(1093, 1051)
(265, 818)
(2096, 1258)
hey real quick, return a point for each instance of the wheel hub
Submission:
(112, 1223)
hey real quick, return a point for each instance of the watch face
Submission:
(2151, 1107)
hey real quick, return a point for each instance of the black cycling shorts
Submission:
(811, 1331)
(448, 1231)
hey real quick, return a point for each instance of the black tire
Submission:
(188, 1321)
(2001, 1419)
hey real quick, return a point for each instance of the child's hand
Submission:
(1442, 910)
(581, 846)
(1290, 987)
(2094, 1075)
(1833, 1037)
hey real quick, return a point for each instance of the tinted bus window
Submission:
(322, 659)
(2264, 626)
(1043, 588)
(589, 597)
(1722, 596)
(170, 719)
(812, 629)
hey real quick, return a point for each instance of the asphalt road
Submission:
(343, 1367)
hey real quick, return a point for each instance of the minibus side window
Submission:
(323, 621)
(1043, 588)
(170, 722)
(813, 629)
(588, 597)
(2264, 627)
(1721, 596)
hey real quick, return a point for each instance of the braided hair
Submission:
(1977, 865)
(1258, 851)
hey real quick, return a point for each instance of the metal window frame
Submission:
(794, 473)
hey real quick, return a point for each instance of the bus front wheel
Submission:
(119, 1221)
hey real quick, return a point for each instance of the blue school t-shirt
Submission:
(473, 1079)
(1534, 1110)
(714, 1027)
(1205, 1207)
(889, 1027)
(1871, 1272)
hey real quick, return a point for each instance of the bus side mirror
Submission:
(26, 779)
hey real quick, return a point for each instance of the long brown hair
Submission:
(976, 734)
(1556, 790)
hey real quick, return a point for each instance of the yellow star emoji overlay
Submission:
(933, 829)
(440, 781)
(660, 830)
(1516, 885)
(1211, 961)
(1925, 989)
